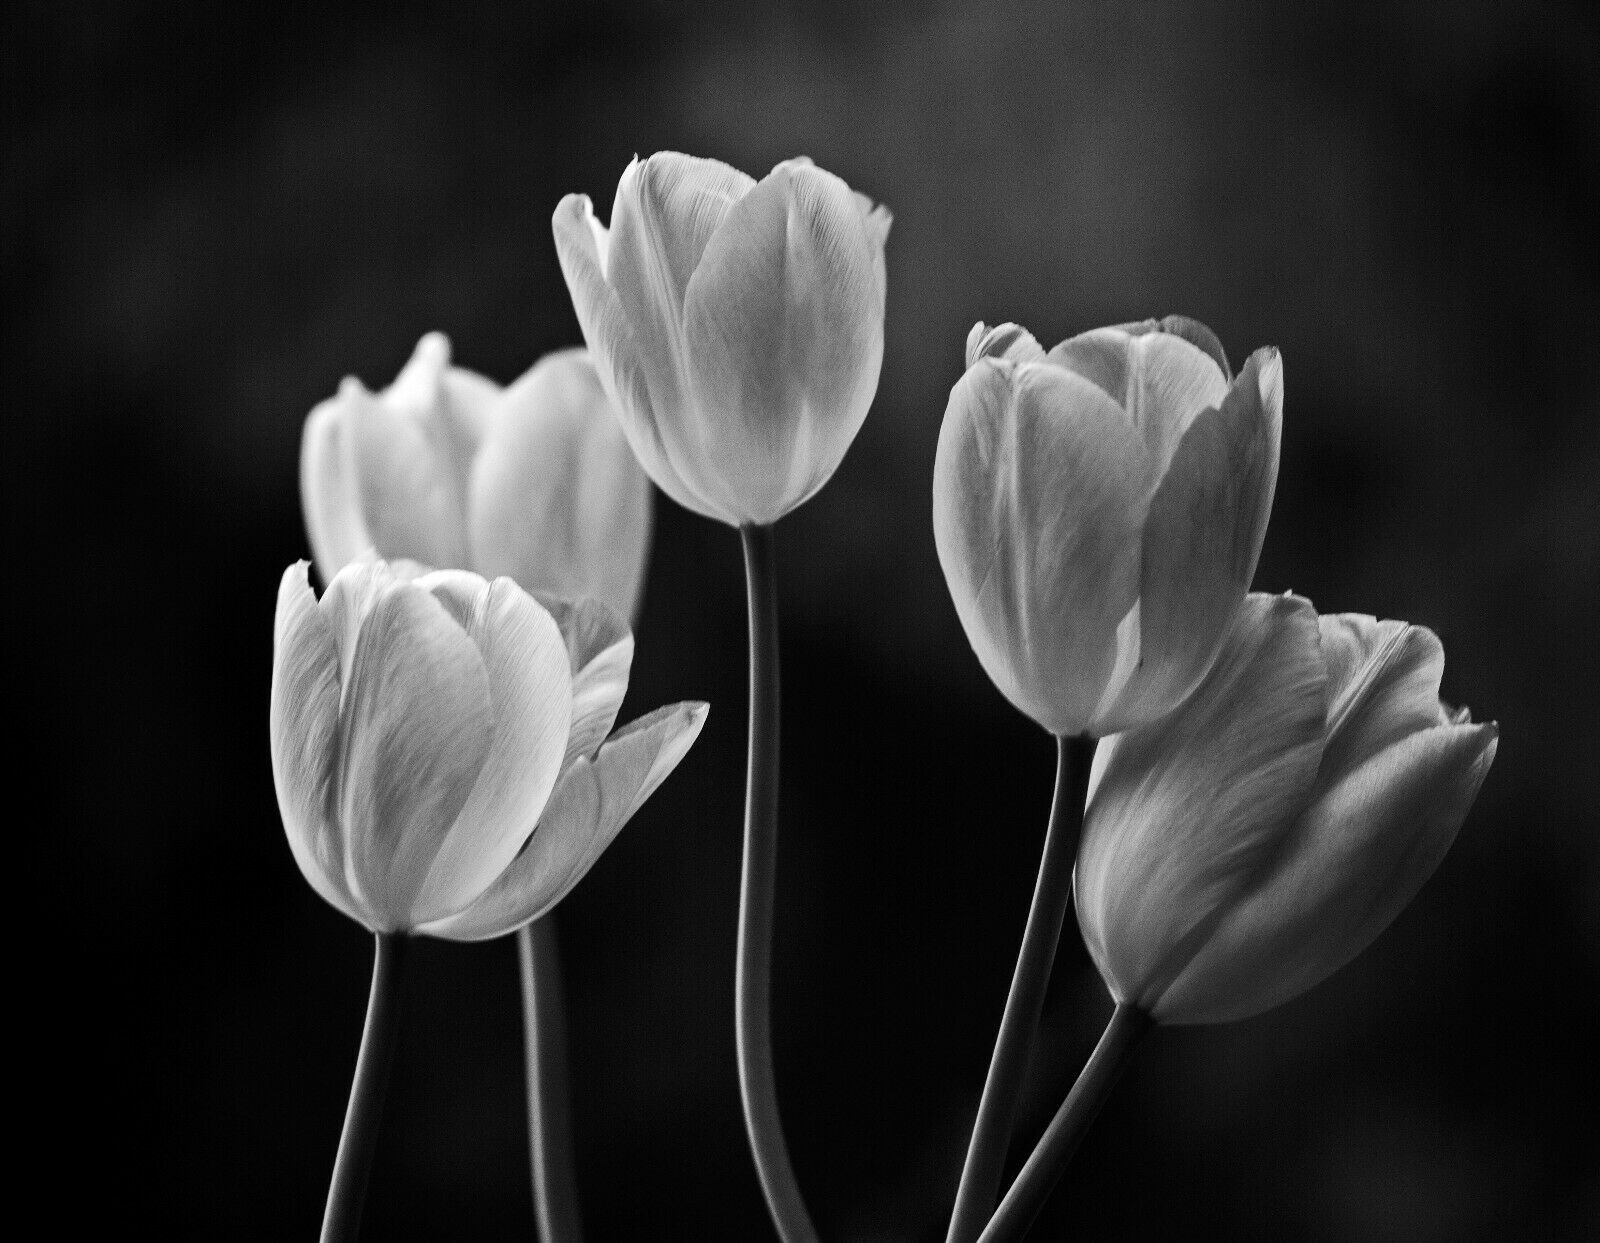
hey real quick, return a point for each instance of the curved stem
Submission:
(1052, 893)
(341, 1220)
(1043, 1169)
(753, 972)
(544, 1024)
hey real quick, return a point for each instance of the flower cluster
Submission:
(1270, 787)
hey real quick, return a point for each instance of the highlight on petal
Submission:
(557, 500)
(783, 328)
(1040, 490)
(530, 697)
(1201, 542)
(589, 806)
(304, 729)
(1002, 341)
(416, 724)
(1184, 814)
(330, 492)
(1192, 331)
(617, 350)
(1355, 859)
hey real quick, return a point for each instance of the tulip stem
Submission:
(341, 1221)
(1044, 1168)
(544, 1023)
(1052, 893)
(757, 884)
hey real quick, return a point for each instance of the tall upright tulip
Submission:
(738, 325)
(1098, 512)
(534, 481)
(1242, 849)
(441, 755)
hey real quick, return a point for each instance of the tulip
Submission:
(1098, 512)
(535, 481)
(440, 746)
(737, 325)
(1243, 849)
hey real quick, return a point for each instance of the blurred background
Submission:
(214, 212)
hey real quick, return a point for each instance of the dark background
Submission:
(213, 212)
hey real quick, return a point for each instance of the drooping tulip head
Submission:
(1246, 847)
(535, 481)
(439, 745)
(1099, 510)
(737, 325)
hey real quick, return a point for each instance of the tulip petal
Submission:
(1192, 331)
(1202, 540)
(878, 220)
(1040, 491)
(530, 691)
(406, 475)
(1184, 814)
(557, 500)
(304, 727)
(1160, 380)
(416, 726)
(329, 490)
(783, 325)
(615, 348)
(600, 651)
(1356, 857)
(590, 805)
(1383, 684)
(1002, 341)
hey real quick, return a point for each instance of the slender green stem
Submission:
(1043, 1169)
(1052, 894)
(757, 883)
(341, 1221)
(544, 1023)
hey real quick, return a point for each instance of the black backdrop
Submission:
(213, 212)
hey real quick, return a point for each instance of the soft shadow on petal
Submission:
(784, 330)
(557, 500)
(417, 722)
(1185, 813)
(1201, 543)
(409, 496)
(616, 350)
(1383, 684)
(530, 690)
(1353, 861)
(590, 805)
(878, 220)
(600, 650)
(304, 729)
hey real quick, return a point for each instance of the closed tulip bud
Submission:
(1249, 845)
(738, 325)
(1098, 511)
(535, 481)
(440, 748)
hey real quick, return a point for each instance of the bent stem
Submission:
(757, 882)
(1044, 1168)
(341, 1220)
(1052, 893)
(544, 1024)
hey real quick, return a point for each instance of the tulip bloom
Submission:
(1098, 512)
(1260, 837)
(534, 481)
(440, 747)
(737, 325)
